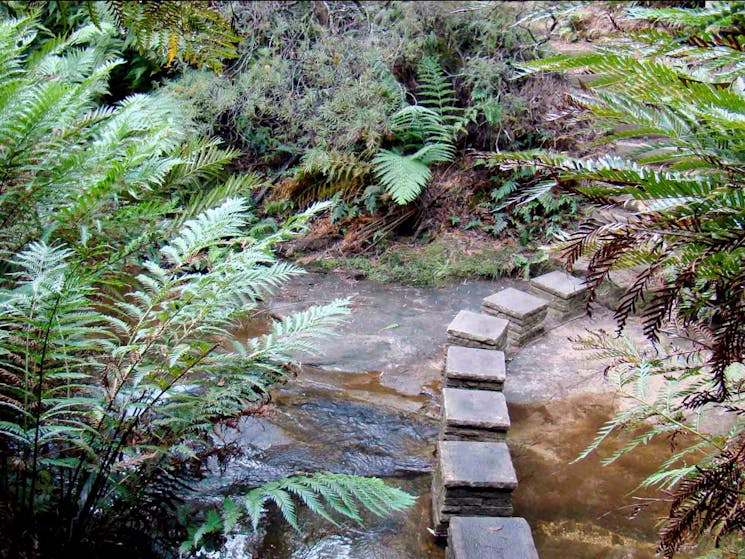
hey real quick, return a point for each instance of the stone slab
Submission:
(470, 365)
(478, 327)
(482, 409)
(479, 537)
(560, 284)
(470, 464)
(474, 384)
(459, 433)
(516, 304)
(465, 342)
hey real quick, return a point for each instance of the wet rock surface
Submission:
(506, 538)
(371, 405)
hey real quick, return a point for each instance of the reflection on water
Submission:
(579, 510)
(582, 510)
(385, 423)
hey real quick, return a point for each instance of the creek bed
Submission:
(370, 405)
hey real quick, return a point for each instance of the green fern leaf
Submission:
(402, 176)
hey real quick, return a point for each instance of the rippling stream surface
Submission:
(370, 405)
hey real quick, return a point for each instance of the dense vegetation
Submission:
(155, 157)
(369, 103)
(130, 258)
(671, 98)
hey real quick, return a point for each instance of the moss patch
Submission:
(439, 262)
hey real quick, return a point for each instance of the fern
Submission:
(118, 307)
(324, 175)
(435, 91)
(429, 129)
(403, 176)
(677, 91)
(326, 494)
(192, 31)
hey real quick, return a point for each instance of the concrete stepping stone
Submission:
(525, 313)
(475, 415)
(471, 479)
(471, 329)
(467, 367)
(478, 537)
(565, 292)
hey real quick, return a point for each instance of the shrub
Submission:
(677, 91)
(129, 258)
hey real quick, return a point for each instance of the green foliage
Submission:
(130, 258)
(677, 92)
(439, 263)
(435, 91)
(192, 31)
(97, 396)
(332, 79)
(431, 130)
(529, 219)
(151, 36)
(325, 494)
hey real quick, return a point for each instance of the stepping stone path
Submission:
(525, 313)
(472, 479)
(479, 415)
(467, 367)
(566, 293)
(490, 538)
(470, 329)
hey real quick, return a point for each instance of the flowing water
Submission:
(370, 406)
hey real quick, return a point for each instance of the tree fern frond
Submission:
(402, 176)
(206, 229)
(337, 491)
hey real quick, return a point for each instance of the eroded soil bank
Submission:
(370, 406)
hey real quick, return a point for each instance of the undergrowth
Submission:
(438, 263)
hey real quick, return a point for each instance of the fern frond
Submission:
(402, 176)
(323, 491)
(194, 31)
(209, 227)
(435, 91)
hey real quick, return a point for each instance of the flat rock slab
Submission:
(559, 284)
(516, 304)
(471, 464)
(465, 342)
(474, 368)
(475, 409)
(477, 327)
(479, 537)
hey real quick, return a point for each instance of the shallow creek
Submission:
(369, 405)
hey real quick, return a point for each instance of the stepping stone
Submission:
(564, 291)
(471, 479)
(479, 415)
(467, 367)
(525, 313)
(515, 304)
(478, 537)
(471, 329)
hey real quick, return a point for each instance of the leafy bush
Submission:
(677, 92)
(130, 257)
(531, 220)
(331, 79)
